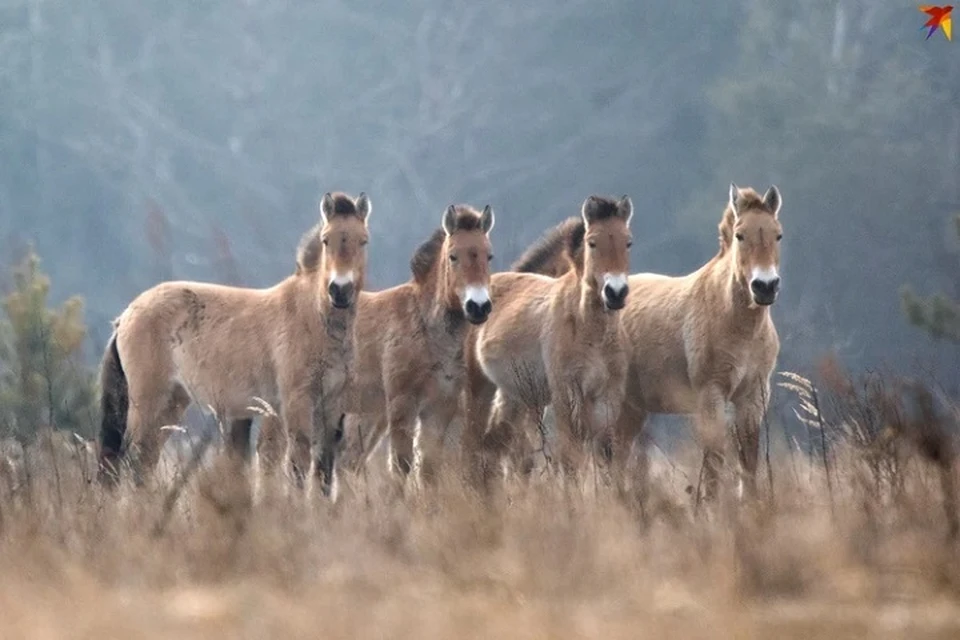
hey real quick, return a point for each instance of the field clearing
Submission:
(536, 562)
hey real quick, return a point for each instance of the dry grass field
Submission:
(867, 554)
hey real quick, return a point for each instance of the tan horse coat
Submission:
(703, 342)
(553, 341)
(409, 338)
(290, 344)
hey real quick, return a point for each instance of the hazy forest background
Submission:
(143, 141)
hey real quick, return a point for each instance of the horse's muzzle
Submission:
(477, 313)
(615, 299)
(341, 295)
(765, 291)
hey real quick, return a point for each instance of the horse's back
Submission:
(214, 340)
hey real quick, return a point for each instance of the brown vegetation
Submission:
(873, 557)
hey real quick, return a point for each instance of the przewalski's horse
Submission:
(409, 359)
(555, 341)
(702, 341)
(290, 344)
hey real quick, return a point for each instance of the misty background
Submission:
(144, 141)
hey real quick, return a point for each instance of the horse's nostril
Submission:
(340, 294)
(765, 287)
(615, 294)
(477, 310)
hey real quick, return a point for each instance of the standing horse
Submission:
(409, 359)
(555, 341)
(290, 344)
(699, 342)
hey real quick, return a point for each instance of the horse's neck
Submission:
(339, 322)
(593, 320)
(729, 297)
(441, 310)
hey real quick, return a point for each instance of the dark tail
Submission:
(114, 402)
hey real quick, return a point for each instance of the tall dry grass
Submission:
(871, 552)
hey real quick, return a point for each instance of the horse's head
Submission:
(343, 236)
(753, 232)
(605, 247)
(467, 254)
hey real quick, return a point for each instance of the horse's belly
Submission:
(667, 390)
(520, 376)
(365, 396)
(228, 387)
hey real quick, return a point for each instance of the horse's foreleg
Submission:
(297, 414)
(711, 432)
(403, 426)
(570, 429)
(329, 422)
(434, 422)
(749, 407)
(271, 444)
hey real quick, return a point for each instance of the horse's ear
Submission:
(588, 209)
(449, 221)
(734, 194)
(772, 199)
(326, 207)
(625, 207)
(486, 219)
(364, 206)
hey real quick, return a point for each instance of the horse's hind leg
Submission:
(239, 438)
(478, 398)
(145, 435)
(628, 428)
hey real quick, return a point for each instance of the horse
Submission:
(409, 354)
(291, 345)
(553, 341)
(700, 342)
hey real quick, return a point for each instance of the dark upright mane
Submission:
(566, 237)
(747, 200)
(598, 208)
(309, 250)
(343, 205)
(425, 257)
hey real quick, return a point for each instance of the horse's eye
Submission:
(629, 243)
(325, 242)
(592, 245)
(740, 237)
(453, 258)
(489, 257)
(779, 237)
(363, 243)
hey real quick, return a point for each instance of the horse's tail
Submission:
(114, 403)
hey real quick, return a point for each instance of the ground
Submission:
(538, 561)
